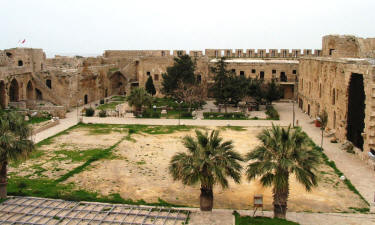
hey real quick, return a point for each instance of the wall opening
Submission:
(333, 96)
(262, 75)
(30, 91)
(308, 109)
(20, 63)
(39, 95)
(118, 83)
(2, 95)
(14, 91)
(86, 99)
(49, 83)
(356, 110)
(283, 77)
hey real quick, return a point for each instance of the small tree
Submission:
(14, 143)
(182, 71)
(139, 98)
(209, 161)
(190, 93)
(222, 88)
(150, 88)
(323, 119)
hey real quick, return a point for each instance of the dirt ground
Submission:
(139, 170)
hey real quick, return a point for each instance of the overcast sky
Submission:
(91, 26)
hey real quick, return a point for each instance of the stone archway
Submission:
(14, 91)
(2, 95)
(30, 91)
(118, 83)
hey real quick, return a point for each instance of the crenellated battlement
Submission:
(217, 53)
(261, 53)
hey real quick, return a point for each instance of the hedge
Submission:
(225, 116)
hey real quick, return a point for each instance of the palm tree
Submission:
(138, 98)
(209, 161)
(283, 151)
(14, 143)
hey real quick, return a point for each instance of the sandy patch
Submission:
(142, 173)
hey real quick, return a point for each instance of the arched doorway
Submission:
(39, 94)
(14, 91)
(30, 91)
(118, 84)
(356, 110)
(86, 99)
(2, 95)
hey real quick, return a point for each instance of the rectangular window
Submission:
(195, 54)
(228, 53)
(273, 71)
(233, 70)
(294, 71)
(331, 51)
(162, 53)
(242, 73)
(148, 73)
(253, 71)
(156, 77)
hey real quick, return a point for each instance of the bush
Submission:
(151, 114)
(101, 101)
(89, 112)
(226, 116)
(103, 113)
(186, 115)
(272, 113)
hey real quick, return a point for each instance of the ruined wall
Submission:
(323, 85)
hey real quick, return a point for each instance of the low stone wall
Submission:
(55, 111)
(47, 126)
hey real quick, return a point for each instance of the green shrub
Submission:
(225, 116)
(89, 112)
(186, 115)
(151, 114)
(272, 113)
(103, 113)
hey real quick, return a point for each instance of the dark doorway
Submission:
(262, 75)
(49, 83)
(39, 95)
(86, 99)
(106, 93)
(2, 95)
(308, 109)
(14, 91)
(283, 77)
(356, 110)
(30, 91)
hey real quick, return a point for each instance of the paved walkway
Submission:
(359, 173)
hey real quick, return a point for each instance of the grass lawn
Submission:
(114, 101)
(248, 220)
(35, 120)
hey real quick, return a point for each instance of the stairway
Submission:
(48, 94)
